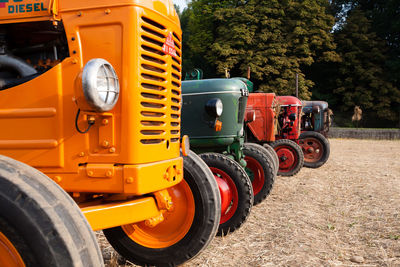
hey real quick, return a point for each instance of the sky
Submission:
(181, 3)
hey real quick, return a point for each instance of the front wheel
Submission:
(260, 170)
(185, 231)
(40, 224)
(290, 155)
(235, 189)
(316, 149)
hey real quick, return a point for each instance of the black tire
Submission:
(203, 229)
(274, 157)
(312, 143)
(260, 170)
(42, 221)
(291, 158)
(232, 218)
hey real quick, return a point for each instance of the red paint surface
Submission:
(263, 105)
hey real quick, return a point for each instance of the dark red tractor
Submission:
(276, 124)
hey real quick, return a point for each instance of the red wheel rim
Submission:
(225, 193)
(287, 158)
(257, 173)
(312, 149)
(231, 208)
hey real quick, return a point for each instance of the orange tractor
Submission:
(90, 95)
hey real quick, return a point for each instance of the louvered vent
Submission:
(160, 90)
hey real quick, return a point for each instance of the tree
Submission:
(199, 27)
(275, 38)
(385, 22)
(360, 78)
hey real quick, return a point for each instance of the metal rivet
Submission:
(107, 11)
(129, 180)
(112, 150)
(104, 121)
(109, 173)
(90, 173)
(166, 176)
(81, 154)
(105, 143)
(57, 179)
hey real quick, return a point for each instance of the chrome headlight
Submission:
(214, 107)
(100, 85)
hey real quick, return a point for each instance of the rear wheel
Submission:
(290, 155)
(40, 225)
(185, 231)
(235, 189)
(274, 156)
(316, 149)
(260, 170)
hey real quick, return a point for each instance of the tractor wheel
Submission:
(185, 231)
(260, 170)
(316, 149)
(40, 224)
(290, 155)
(274, 156)
(235, 189)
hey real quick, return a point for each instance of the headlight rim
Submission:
(214, 107)
(89, 85)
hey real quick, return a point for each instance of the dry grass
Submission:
(346, 213)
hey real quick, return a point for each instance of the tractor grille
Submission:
(160, 85)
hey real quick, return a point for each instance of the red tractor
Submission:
(276, 124)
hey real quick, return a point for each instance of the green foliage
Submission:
(359, 79)
(355, 62)
(276, 39)
(369, 73)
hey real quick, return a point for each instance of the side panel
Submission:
(262, 127)
(31, 121)
(197, 123)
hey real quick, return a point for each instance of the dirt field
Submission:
(346, 213)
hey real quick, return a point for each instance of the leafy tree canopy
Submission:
(274, 38)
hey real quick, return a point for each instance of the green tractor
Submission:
(213, 117)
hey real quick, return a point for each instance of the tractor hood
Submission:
(249, 84)
(288, 101)
(213, 86)
(27, 10)
(199, 118)
(309, 104)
